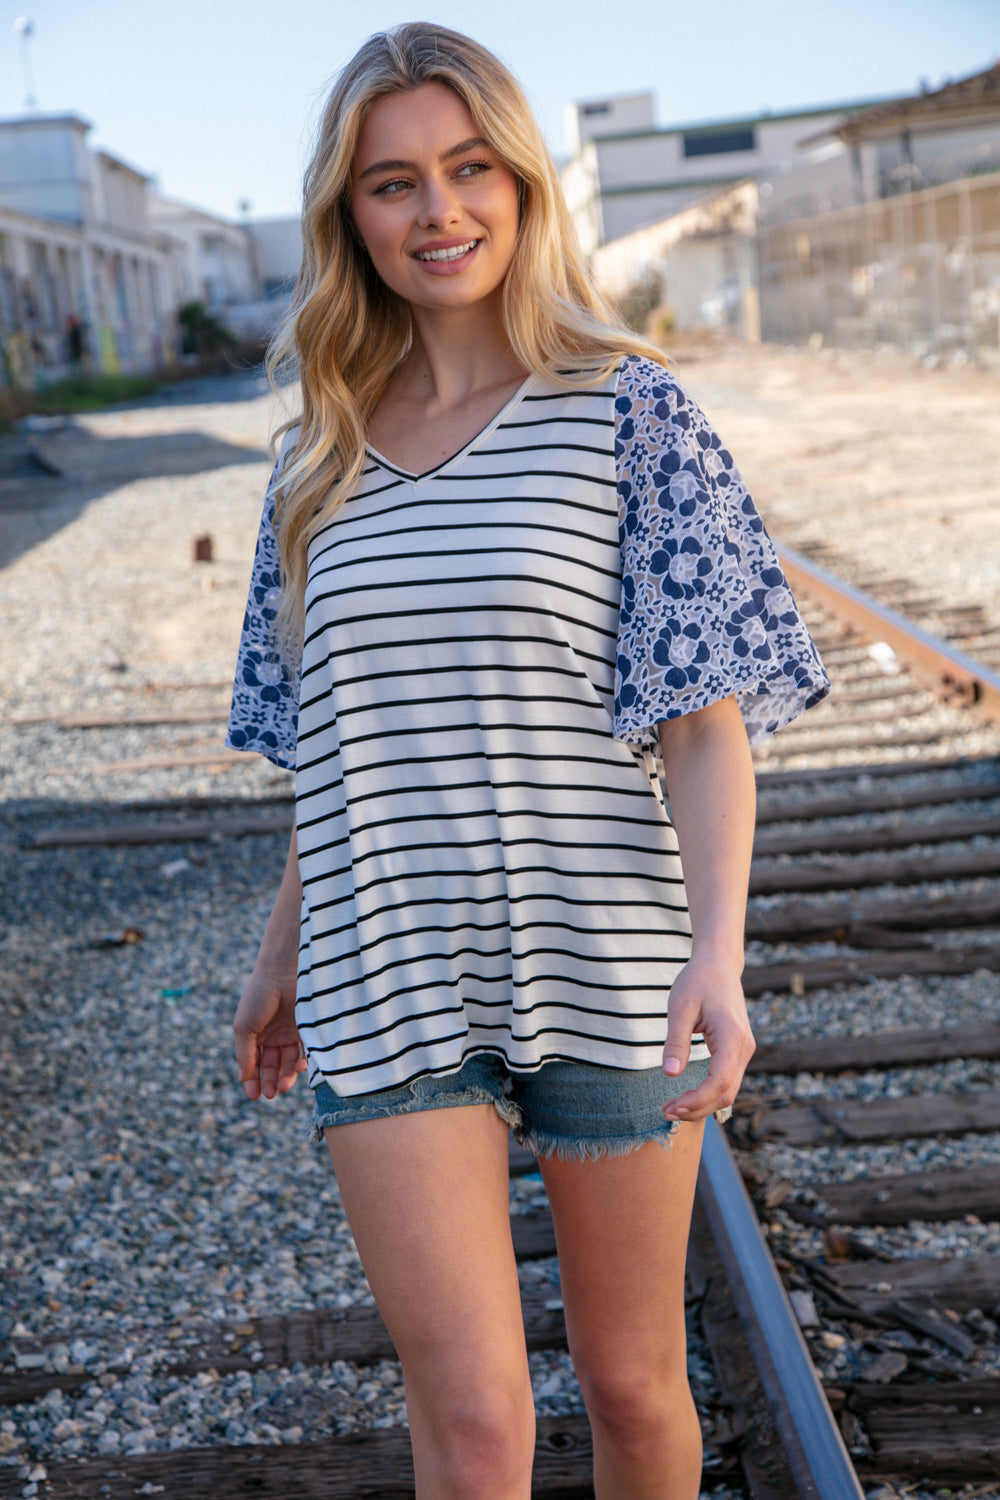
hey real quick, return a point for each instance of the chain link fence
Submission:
(919, 270)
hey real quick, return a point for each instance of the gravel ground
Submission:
(147, 1194)
(882, 1005)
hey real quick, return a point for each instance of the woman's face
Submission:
(434, 206)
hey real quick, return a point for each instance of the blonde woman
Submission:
(504, 564)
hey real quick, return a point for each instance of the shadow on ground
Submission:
(88, 467)
(51, 468)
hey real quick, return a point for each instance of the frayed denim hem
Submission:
(589, 1111)
(324, 1118)
(546, 1145)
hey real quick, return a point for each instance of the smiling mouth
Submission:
(455, 252)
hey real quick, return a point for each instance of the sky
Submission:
(217, 99)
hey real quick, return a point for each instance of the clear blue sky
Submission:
(218, 98)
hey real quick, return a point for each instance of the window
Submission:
(10, 317)
(596, 109)
(716, 142)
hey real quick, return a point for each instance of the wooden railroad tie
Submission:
(359, 1466)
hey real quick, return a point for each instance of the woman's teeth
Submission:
(452, 254)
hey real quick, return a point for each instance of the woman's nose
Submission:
(439, 205)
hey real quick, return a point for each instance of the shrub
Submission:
(201, 331)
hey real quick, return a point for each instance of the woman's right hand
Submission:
(269, 1053)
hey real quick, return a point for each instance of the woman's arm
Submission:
(710, 782)
(268, 1051)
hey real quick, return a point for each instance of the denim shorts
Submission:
(576, 1111)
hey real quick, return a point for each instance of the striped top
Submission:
(487, 863)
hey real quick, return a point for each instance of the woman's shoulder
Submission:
(281, 452)
(285, 445)
(642, 381)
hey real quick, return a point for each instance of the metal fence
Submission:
(920, 269)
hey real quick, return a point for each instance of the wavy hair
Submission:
(346, 331)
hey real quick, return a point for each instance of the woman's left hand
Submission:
(707, 997)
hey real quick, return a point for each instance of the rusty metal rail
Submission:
(814, 1449)
(948, 671)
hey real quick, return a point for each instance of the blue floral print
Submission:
(705, 609)
(264, 714)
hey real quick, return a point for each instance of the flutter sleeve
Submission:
(705, 611)
(265, 709)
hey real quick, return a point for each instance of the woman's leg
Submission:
(426, 1196)
(622, 1228)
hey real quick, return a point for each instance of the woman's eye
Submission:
(395, 186)
(473, 168)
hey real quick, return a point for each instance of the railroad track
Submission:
(861, 882)
(852, 1319)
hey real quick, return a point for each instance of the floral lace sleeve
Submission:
(264, 715)
(705, 610)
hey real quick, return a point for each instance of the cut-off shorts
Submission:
(573, 1110)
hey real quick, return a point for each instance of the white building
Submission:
(883, 229)
(213, 261)
(617, 114)
(77, 244)
(94, 264)
(701, 262)
(626, 172)
(278, 253)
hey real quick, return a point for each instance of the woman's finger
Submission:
(248, 1063)
(291, 1064)
(677, 1047)
(720, 1087)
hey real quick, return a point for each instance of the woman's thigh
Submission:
(426, 1196)
(622, 1226)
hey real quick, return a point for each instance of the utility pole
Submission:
(25, 30)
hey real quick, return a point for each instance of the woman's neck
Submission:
(459, 373)
(454, 355)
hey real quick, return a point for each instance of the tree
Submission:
(201, 333)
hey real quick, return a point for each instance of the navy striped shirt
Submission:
(487, 863)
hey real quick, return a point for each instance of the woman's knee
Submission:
(481, 1437)
(635, 1405)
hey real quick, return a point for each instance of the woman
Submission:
(515, 563)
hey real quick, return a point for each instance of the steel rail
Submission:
(947, 670)
(815, 1451)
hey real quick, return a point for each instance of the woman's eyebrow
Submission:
(474, 143)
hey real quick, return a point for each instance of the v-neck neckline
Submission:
(446, 463)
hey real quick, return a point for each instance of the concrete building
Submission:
(278, 252)
(77, 251)
(94, 264)
(212, 260)
(626, 172)
(616, 114)
(699, 263)
(276, 248)
(911, 257)
(916, 260)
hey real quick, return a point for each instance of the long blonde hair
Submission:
(346, 331)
